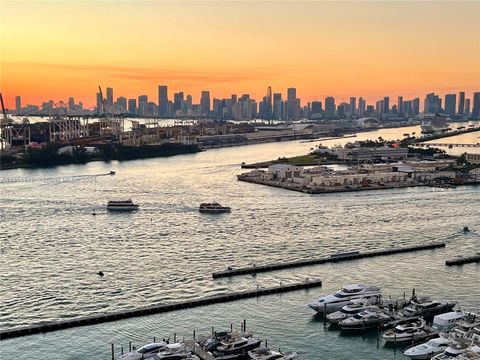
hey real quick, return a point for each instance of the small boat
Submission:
(364, 320)
(264, 353)
(145, 352)
(459, 351)
(213, 208)
(112, 172)
(173, 352)
(335, 302)
(406, 331)
(427, 308)
(240, 346)
(427, 350)
(125, 205)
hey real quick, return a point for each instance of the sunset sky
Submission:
(53, 50)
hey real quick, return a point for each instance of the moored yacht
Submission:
(264, 353)
(427, 308)
(145, 352)
(447, 321)
(406, 331)
(427, 350)
(353, 307)
(236, 346)
(335, 302)
(459, 351)
(364, 320)
(125, 205)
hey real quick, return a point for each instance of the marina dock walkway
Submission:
(155, 309)
(463, 260)
(328, 259)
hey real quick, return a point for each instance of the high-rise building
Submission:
(461, 103)
(467, 107)
(109, 103)
(268, 104)
(450, 104)
(132, 106)
(162, 100)
(316, 107)
(277, 106)
(177, 101)
(291, 94)
(330, 106)
(99, 107)
(433, 104)
(142, 105)
(71, 104)
(400, 108)
(18, 104)
(361, 107)
(353, 106)
(386, 105)
(121, 105)
(380, 107)
(205, 102)
(416, 106)
(476, 106)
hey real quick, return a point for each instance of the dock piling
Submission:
(113, 351)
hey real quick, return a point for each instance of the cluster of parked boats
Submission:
(452, 334)
(225, 345)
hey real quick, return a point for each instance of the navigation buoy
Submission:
(100, 273)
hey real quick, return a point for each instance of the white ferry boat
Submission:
(125, 205)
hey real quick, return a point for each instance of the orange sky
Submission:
(53, 50)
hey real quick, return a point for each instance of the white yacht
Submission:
(175, 351)
(364, 320)
(145, 352)
(353, 307)
(124, 205)
(447, 321)
(264, 353)
(459, 351)
(427, 350)
(335, 302)
(406, 331)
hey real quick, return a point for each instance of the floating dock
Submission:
(155, 309)
(323, 260)
(463, 260)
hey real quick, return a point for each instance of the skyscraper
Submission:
(433, 104)
(277, 105)
(291, 102)
(132, 106)
(205, 102)
(467, 107)
(177, 101)
(316, 107)
(162, 100)
(18, 104)
(476, 106)
(353, 106)
(450, 104)
(361, 107)
(416, 106)
(100, 108)
(400, 108)
(142, 104)
(71, 104)
(330, 106)
(109, 103)
(461, 103)
(386, 105)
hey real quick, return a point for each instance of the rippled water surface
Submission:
(52, 247)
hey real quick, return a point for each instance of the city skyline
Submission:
(327, 49)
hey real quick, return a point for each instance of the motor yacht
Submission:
(427, 350)
(353, 307)
(177, 351)
(406, 331)
(468, 327)
(236, 347)
(125, 205)
(335, 302)
(367, 319)
(213, 208)
(459, 351)
(427, 308)
(145, 352)
(264, 353)
(447, 321)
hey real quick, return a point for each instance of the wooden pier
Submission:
(323, 260)
(155, 309)
(463, 260)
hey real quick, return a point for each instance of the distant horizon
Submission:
(53, 50)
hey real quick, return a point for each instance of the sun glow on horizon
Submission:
(53, 50)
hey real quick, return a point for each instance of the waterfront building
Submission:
(400, 109)
(461, 103)
(476, 106)
(330, 106)
(205, 102)
(121, 104)
(362, 154)
(467, 107)
(342, 110)
(18, 104)
(472, 158)
(380, 107)
(316, 107)
(162, 100)
(450, 104)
